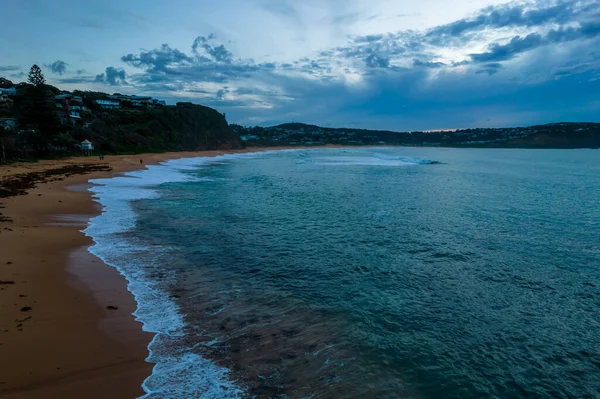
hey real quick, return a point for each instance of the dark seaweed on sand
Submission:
(19, 184)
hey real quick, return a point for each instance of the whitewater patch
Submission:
(177, 373)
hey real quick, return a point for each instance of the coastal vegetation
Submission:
(555, 135)
(38, 121)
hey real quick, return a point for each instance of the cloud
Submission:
(217, 53)
(428, 64)
(221, 94)
(490, 68)
(112, 76)
(518, 44)
(163, 59)
(9, 68)
(392, 79)
(255, 91)
(377, 61)
(18, 75)
(58, 67)
(551, 22)
(515, 15)
(208, 62)
(369, 38)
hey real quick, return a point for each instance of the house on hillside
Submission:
(11, 91)
(86, 147)
(8, 123)
(141, 101)
(5, 102)
(249, 137)
(70, 108)
(137, 101)
(109, 104)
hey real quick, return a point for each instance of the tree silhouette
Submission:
(36, 77)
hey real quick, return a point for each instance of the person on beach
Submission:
(141, 161)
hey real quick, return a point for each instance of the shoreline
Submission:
(69, 344)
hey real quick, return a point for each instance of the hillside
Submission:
(556, 135)
(184, 127)
(43, 121)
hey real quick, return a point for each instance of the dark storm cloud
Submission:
(58, 67)
(518, 44)
(208, 62)
(507, 51)
(575, 19)
(164, 59)
(112, 76)
(217, 52)
(516, 15)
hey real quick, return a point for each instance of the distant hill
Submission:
(555, 135)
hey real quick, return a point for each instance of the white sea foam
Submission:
(177, 374)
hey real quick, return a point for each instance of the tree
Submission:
(38, 111)
(36, 77)
(5, 83)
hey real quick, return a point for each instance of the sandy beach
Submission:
(66, 324)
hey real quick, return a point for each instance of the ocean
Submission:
(363, 272)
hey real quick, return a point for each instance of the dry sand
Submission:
(68, 344)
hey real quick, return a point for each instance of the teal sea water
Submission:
(364, 273)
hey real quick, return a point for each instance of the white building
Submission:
(8, 123)
(86, 145)
(109, 104)
(11, 91)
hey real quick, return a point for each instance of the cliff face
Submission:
(185, 127)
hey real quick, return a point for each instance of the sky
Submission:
(381, 64)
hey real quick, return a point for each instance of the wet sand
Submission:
(66, 324)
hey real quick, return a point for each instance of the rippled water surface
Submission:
(368, 273)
